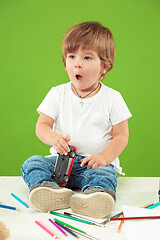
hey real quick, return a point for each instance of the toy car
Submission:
(63, 167)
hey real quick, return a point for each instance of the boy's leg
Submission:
(45, 194)
(98, 186)
(37, 169)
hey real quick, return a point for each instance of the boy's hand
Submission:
(61, 143)
(93, 161)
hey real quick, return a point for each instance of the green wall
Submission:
(30, 64)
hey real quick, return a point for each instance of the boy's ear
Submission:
(105, 69)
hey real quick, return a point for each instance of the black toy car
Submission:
(63, 167)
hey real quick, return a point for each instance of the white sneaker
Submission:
(93, 203)
(49, 197)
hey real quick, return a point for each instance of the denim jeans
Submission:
(37, 169)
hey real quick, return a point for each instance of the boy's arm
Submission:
(44, 132)
(120, 134)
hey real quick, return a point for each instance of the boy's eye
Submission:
(72, 56)
(87, 58)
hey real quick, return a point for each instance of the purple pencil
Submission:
(56, 225)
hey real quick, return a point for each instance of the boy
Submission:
(88, 115)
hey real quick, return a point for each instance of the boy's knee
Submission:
(30, 162)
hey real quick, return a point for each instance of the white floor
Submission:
(132, 191)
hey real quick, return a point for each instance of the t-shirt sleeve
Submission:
(119, 110)
(49, 105)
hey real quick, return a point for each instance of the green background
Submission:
(31, 32)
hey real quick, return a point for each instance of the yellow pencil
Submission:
(146, 205)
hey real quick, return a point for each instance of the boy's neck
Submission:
(86, 93)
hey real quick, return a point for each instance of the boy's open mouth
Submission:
(78, 76)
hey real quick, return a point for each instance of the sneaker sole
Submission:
(47, 199)
(95, 205)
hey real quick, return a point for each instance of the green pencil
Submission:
(83, 218)
(70, 217)
(66, 224)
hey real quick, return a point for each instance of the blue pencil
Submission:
(68, 230)
(154, 205)
(19, 200)
(9, 207)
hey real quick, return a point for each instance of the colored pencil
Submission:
(134, 218)
(154, 205)
(70, 217)
(146, 206)
(120, 225)
(47, 230)
(149, 205)
(9, 207)
(19, 200)
(85, 234)
(68, 225)
(73, 229)
(57, 226)
(67, 229)
(86, 220)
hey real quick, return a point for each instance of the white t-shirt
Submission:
(90, 123)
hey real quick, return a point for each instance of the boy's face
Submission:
(84, 69)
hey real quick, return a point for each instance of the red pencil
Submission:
(133, 218)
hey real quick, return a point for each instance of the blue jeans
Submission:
(37, 169)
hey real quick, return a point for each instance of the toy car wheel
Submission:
(66, 178)
(72, 154)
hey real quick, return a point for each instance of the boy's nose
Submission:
(78, 64)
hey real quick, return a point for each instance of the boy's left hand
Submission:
(93, 161)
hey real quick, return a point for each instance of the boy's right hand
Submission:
(61, 143)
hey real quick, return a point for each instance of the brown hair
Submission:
(90, 34)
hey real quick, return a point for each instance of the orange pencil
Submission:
(120, 225)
